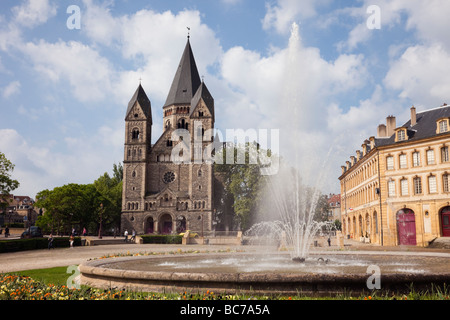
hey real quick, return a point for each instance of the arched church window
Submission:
(135, 134)
(182, 124)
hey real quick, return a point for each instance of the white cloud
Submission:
(88, 73)
(421, 74)
(281, 15)
(34, 12)
(11, 89)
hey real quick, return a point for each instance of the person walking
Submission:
(126, 235)
(71, 240)
(50, 242)
(133, 236)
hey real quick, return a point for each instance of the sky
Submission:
(64, 86)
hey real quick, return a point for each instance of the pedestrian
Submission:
(84, 232)
(6, 232)
(71, 240)
(133, 236)
(126, 235)
(329, 241)
(50, 242)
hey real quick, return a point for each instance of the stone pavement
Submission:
(59, 257)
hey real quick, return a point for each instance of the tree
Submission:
(110, 188)
(7, 184)
(66, 206)
(242, 185)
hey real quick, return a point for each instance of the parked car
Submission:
(32, 232)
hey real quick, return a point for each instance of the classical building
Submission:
(396, 190)
(167, 187)
(334, 204)
(17, 209)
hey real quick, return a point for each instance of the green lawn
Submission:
(57, 276)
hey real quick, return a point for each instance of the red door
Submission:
(406, 225)
(445, 219)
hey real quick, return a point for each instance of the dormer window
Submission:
(401, 134)
(442, 126)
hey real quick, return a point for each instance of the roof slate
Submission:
(186, 80)
(424, 128)
(141, 97)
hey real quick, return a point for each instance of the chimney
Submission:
(413, 116)
(381, 131)
(390, 125)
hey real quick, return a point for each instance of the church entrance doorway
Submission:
(166, 224)
(445, 221)
(149, 227)
(406, 226)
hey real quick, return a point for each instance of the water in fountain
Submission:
(293, 203)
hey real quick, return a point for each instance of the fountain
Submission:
(292, 204)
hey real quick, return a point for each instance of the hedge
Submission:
(162, 239)
(35, 243)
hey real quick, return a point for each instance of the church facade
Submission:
(167, 187)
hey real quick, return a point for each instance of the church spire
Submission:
(186, 80)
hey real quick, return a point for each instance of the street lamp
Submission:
(101, 221)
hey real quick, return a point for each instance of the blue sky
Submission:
(64, 93)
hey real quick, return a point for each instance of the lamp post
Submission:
(101, 221)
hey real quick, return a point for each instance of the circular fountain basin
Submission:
(271, 274)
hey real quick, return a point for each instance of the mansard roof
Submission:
(203, 93)
(141, 97)
(186, 80)
(425, 126)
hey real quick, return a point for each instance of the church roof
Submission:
(141, 97)
(203, 93)
(186, 81)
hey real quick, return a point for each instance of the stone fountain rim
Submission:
(97, 268)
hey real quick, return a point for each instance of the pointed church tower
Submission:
(138, 134)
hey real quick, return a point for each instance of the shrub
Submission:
(162, 239)
(35, 243)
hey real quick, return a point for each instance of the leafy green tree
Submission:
(241, 183)
(110, 188)
(7, 184)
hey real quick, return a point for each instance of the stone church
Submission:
(162, 194)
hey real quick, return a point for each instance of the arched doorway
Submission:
(149, 225)
(165, 224)
(445, 221)
(406, 227)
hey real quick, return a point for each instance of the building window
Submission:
(443, 126)
(135, 134)
(391, 188)
(416, 159)
(432, 186)
(444, 154)
(417, 185)
(445, 181)
(403, 163)
(404, 187)
(430, 157)
(401, 135)
(390, 163)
